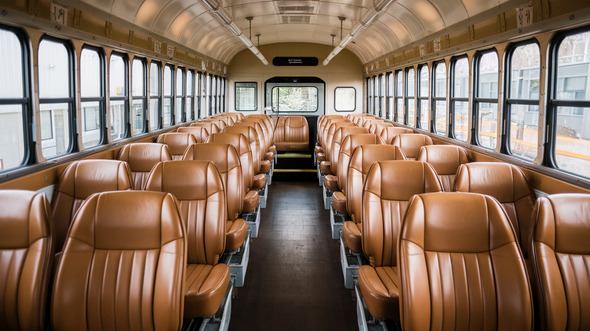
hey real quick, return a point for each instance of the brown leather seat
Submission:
(331, 181)
(377, 127)
(507, 184)
(26, 246)
(363, 157)
(279, 129)
(123, 265)
(217, 121)
(460, 266)
(198, 189)
(80, 180)
(296, 135)
(349, 144)
(446, 160)
(325, 166)
(411, 143)
(559, 251)
(201, 133)
(388, 189)
(264, 135)
(177, 142)
(227, 161)
(323, 135)
(256, 145)
(321, 124)
(142, 157)
(210, 126)
(388, 134)
(242, 147)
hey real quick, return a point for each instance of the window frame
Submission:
(389, 99)
(103, 139)
(159, 125)
(435, 98)
(477, 100)
(376, 91)
(453, 99)
(407, 97)
(145, 96)
(399, 95)
(124, 98)
(344, 111)
(422, 98)
(172, 95)
(278, 110)
(369, 94)
(182, 96)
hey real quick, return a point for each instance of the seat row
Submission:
(291, 133)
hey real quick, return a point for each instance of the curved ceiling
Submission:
(189, 22)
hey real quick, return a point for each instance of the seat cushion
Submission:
(331, 183)
(265, 166)
(351, 233)
(205, 287)
(339, 202)
(250, 201)
(325, 167)
(259, 182)
(321, 156)
(318, 149)
(380, 289)
(235, 233)
(269, 156)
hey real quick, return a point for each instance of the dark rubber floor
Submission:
(294, 280)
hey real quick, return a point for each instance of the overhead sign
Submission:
(295, 61)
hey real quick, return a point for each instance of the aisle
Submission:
(294, 280)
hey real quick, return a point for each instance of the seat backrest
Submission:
(388, 134)
(123, 265)
(210, 126)
(322, 121)
(26, 246)
(369, 122)
(279, 128)
(411, 143)
(240, 143)
(323, 131)
(386, 196)
(227, 161)
(363, 157)
(254, 139)
(80, 180)
(446, 160)
(507, 184)
(377, 127)
(460, 266)
(266, 120)
(142, 157)
(296, 129)
(263, 133)
(217, 121)
(201, 133)
(330, 136)
(560, 250)
(177, 142)
(337, 141)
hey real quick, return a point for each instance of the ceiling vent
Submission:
(296, 10)
(292, 19)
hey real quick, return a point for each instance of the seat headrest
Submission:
(210, 126)
(296, 122)
(186, 180)
(411, 143)
(200, 133)
(345, 131)
(445, 159)
(86, 177)
(400, 180)
(238, 140)
(351, 142)
(364, 156)
(503, 181)
(224, 156)
(142, 157)
(25, 217)
(562, 223)
(388, 134)
(127, 220)
(177, 141)
(337, 125)
(456, 222)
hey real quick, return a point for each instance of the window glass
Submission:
(54, 83)
(487, 110)
(204, 105)
(460, 101)
(376, 90)
(440, 98)
(423, 96)
(12, 148)
(410, 106)
(138, 93)
(190, 92)
(246, 96)
(179, 104)
(389, 114)
(167, 109)
(155, 93)
(91, 69)
(345, 98)
(117, 74)
(572, 131)
(369, 95)
(399, 93)
(524, 84)
(294, 99)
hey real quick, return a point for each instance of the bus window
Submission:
(138, 92)
(344, 98)
(460, 98)
(55, 97)
(389, 112)
(439, 96)
(12, 105)
(399, 97)
(376, 96)
(369, 95)
(180, 96)
(189, 108)
(118, 73)
(92, 92)
(572, 104)
(410, 93)
(523, 100)
(486, 98)
(294, 99)
(155, 96)
(168, 91)
(423, 96)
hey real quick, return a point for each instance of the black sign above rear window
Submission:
(295, 61)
